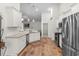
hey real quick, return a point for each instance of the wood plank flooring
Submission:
(44, 47)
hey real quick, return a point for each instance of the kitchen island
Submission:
(16, 42)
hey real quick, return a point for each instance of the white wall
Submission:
(35, 26)
(52, 24)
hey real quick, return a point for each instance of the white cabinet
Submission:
(34, 36)
(14, 45)
(13, 17)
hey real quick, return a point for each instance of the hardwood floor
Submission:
(44, 47)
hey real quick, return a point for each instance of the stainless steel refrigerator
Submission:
(70, 35)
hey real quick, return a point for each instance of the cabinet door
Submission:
(21, 44)
(34, 37)
(15, 45)
(9, 16)
(13, 17)
(11, 45)
(16, 18)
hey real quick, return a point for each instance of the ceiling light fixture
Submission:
(28, 19)
(51, 12)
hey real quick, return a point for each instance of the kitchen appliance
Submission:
(67, 34)
(57, 38)
(58, 35)
(70, 35)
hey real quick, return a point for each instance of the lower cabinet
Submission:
(14, 46)
(34, 37)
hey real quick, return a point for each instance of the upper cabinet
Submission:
(13, 17)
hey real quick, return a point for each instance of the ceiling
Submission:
(34, 10)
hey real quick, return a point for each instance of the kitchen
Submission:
(25, 23)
